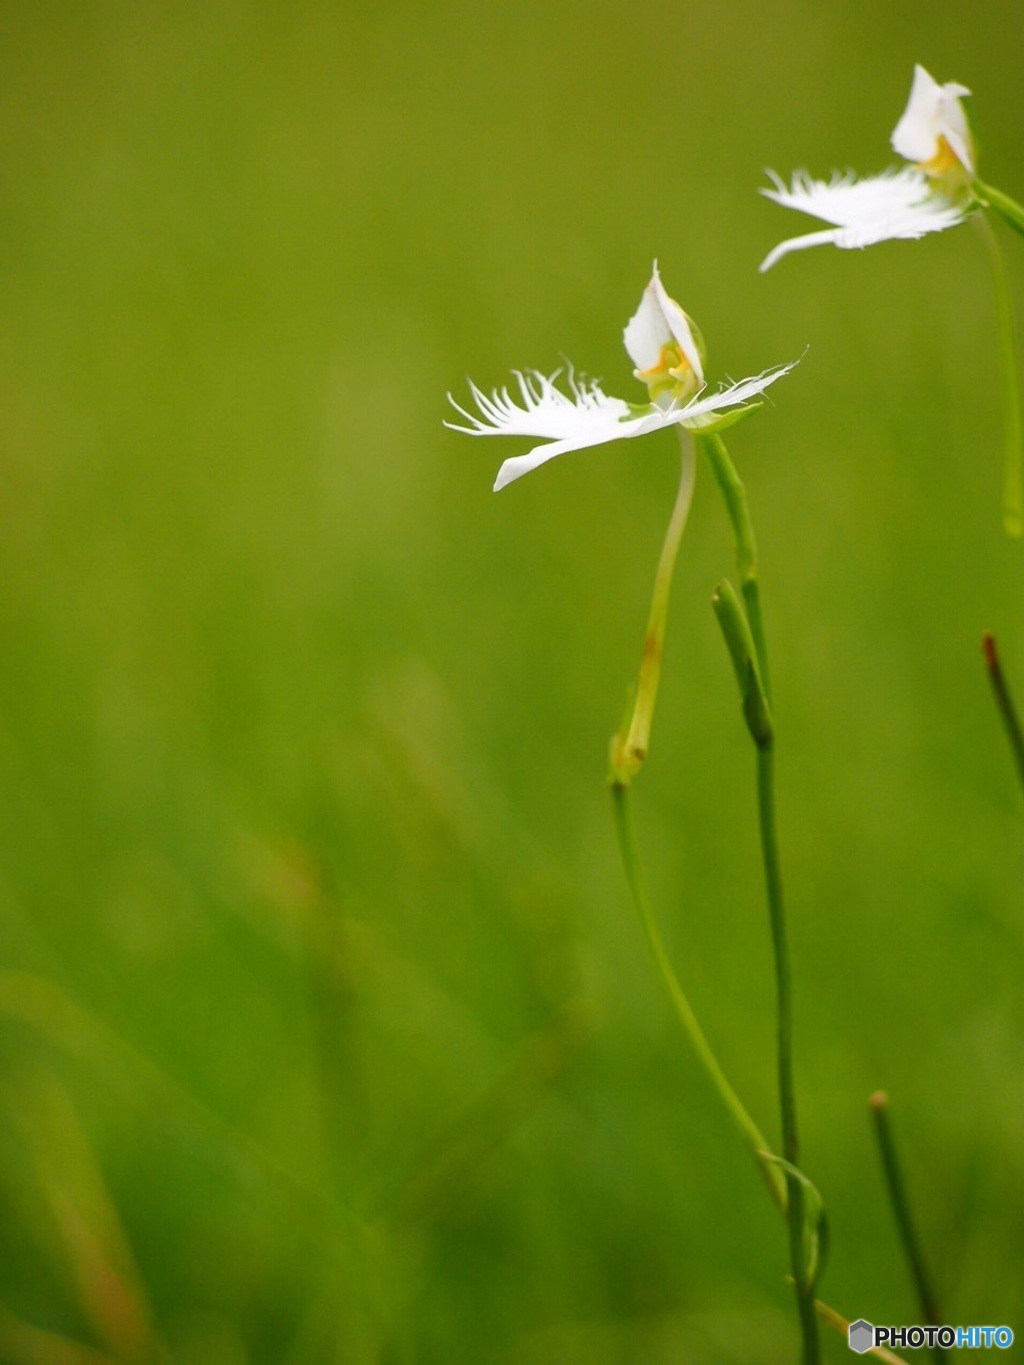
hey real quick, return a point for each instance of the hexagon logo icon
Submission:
(862, 1336)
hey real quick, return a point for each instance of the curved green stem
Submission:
(1008, 209)
(629, 849)
(1013, 438)
(630, 745)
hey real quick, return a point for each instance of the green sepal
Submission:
(711, 423)
(638, 410)
(816, 1229)
(706, 424)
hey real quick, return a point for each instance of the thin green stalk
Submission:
(735, 497)
(879, 1107)
(629, 850)
(1013, 436)
(1004, 702)
(784, 1042)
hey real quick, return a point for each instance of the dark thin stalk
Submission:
(897, 1190)
(1004, 703)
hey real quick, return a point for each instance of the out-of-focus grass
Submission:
(326, 1034)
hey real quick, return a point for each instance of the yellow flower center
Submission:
(946, 166)
(672, 377)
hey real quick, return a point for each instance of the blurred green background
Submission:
(326, 1031)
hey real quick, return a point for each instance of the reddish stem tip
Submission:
(989, 651)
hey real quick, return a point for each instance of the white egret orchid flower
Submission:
(929, 195)
(664, 347)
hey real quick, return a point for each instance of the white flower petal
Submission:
(519, 465)
(826, 237)
(584, 417)
(934, 111)
(658, 322)
(733, 394)
(680, 327)
(898, 204)
(647, 330)
(544, 411)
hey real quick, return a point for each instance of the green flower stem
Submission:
(1004, 702)
(879, 1107)
(1013, 497)
(1008, 209)
(735, 497)
(629, 849)
(784, 1038)
(629, 747)
(740, 643)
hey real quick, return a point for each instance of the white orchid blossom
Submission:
(934, 132)
(665, 350)
(929, 195)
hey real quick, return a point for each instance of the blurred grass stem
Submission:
(878, 1104)
(735, 497)
(1004, 702)
(842, 1326)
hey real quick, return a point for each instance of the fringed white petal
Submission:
(542, 409)
(584, 417)
(733, 394)
(899, 204)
